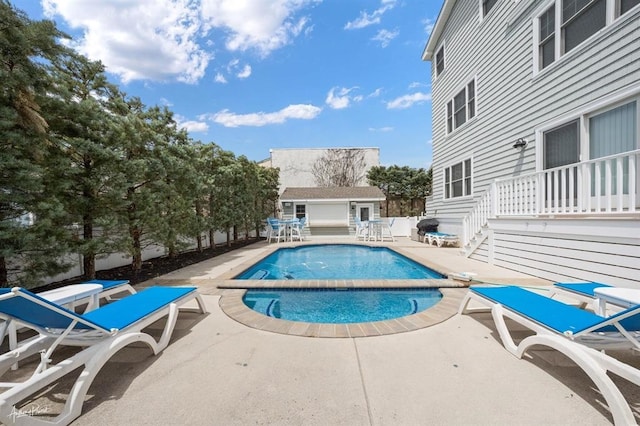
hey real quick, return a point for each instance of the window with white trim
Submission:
(440, 61)
(612, 130)
(301, 211)
(578, 20)
(487, 5)
(457, 179)
(462, 107)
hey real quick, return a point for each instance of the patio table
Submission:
(625, 297)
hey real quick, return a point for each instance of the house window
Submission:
(578, 20)
(594, 135)
(462, 107)
(561, 145)
(439, 61)
(487, 5)
(627, 5)
(547, 37)
(613, 132)
(457, 180)
(301, 211)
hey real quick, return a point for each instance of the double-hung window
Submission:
(547, 23)
(487, 5)
(580, 20)
(462, 107)
(457, 179)
(301, 211)
(566, 24)
(440, 61)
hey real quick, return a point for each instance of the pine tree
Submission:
(83, 154)
(32, 232)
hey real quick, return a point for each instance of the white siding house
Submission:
(536, 135)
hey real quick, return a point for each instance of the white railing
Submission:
(604, 186)
(479, 216)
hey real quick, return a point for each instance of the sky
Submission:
(252, 75)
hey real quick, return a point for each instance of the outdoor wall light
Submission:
(520, 144)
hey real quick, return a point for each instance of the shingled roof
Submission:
(368, 193)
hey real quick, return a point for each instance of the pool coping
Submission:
(233, 290)
(232, 305)
(229, 275)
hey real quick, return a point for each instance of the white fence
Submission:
(116, 260)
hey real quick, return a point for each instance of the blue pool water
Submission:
(340, 306)
(337, 261)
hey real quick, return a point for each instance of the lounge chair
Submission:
(577, 333)
(582, 292)
(440, 238)
(112, 287)
(101, 332)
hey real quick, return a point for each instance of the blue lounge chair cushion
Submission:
(124, 312)
(551, 313)
(116, 315)
(43, 315)
(442, 235)
(581, 288)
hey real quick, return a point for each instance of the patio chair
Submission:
(101, 333)
(385, 229)
(297, 228)
(440, 238)
(112, 287)
(582, 292)
(362, 229)
(577, 333)
(276, 230)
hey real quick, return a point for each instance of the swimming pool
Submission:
(340, 306)
(337, 261)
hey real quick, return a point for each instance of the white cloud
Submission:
(375, 93)
(385, 37)
(246, 72)
(417, 84)
(407, 101)
(256, 24)
(145, 39)
(339, 98)
(365, 19)
(219, 78)
(258, 119)
(165, 40)
(428, 25)
(191, 126)
(381, 129)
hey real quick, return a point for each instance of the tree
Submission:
(342, 167)
(32, 233)
(82, 157)
(402, 185)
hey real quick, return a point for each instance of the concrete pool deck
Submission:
(218, 371)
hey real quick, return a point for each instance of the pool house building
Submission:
(536, 144)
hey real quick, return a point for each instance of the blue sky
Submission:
(251, 75)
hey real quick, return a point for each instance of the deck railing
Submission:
(603, 186)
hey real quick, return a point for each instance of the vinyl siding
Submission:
(511, 101)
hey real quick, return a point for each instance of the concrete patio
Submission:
(218, 371)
